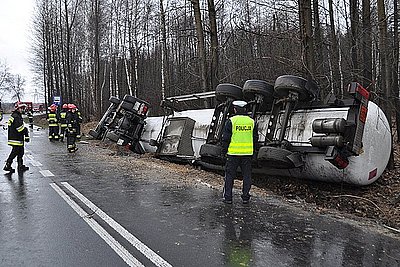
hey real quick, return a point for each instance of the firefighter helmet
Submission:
(65, 106)
(20, 105)
(71, 106)
(53, 107)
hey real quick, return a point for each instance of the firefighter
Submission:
(71, 131)
(78, 134)
(17, 135)
(238, 139)
(30, 118)
(52, 118)
(1, 112)
(63, 122)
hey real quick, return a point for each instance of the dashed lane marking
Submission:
(46, 173)
(146, 251)
(34, 162)
(114, 244)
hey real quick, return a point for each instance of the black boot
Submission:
(8, 167)
(23, 168)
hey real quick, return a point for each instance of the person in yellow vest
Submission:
(238, 139)
(52, 118)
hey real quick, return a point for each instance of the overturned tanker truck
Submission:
(346, 140)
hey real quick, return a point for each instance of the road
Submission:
(76, 210)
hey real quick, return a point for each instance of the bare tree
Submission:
(306, 36)
(201, 50)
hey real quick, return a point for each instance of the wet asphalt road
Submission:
(166, 225)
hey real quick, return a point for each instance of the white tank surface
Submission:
(362, 169)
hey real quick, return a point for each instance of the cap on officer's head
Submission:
(239, 103)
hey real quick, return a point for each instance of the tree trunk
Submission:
(214, 44)
(385, 84)
(354, 24)
(334, 54)
(396, 67)
(201, 50)
(367, 80)
(164, 64)
(306, 37)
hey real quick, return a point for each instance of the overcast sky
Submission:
(15, 30)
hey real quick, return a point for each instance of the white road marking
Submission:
(114, 244)
(46, 173)
(146, 251)
(36, 164)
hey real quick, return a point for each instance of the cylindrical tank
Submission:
(363, 169)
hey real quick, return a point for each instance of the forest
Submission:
(87, 51)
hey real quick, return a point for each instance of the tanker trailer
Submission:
(334, 140)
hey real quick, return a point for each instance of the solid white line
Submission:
(114, 244)
(146, 251)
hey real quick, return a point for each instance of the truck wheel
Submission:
(112, 136)
(274, 157)
(130, 99)
(286, 83)
(114, 100)
(94, 134)
(251, 88)
(212, 154)
(127, 105)
(227, 90)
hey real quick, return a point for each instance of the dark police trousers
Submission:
(232, 163)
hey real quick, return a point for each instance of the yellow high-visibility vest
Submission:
(242, 136)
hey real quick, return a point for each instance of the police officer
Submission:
(62, 121)
(238, 139)
(52, 118)
(71, 131)
(17, 135)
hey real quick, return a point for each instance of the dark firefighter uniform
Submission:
(72, 120)
(238, 140)
(17, 135)
(30, 118)
(63, 121)
(52, 118)
(78, 134)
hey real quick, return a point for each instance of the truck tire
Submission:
(127, 105)
(274, 157)
(251, 88)
(286, 83)
(112, 136)
(94, 134)
(114, 100)
(212, 154)
(227, 90)
(130, 99)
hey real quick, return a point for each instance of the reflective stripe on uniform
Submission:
(10, 121)
(15, 143)
(21, 128)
